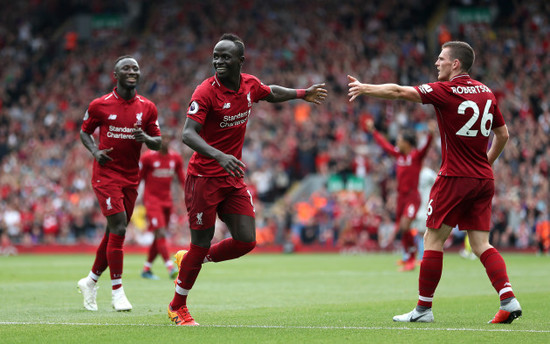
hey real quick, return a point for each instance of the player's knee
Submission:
(118, 230)
(244, 247)
(478, 248)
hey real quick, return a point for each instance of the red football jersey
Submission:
(223, 114)
(115, 118)
(408, 165)
(157, 171)
(466, 113)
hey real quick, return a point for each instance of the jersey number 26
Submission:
(486, 119)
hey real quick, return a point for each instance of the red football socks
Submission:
(407, 240)
(229, 249)
(496, 270)
(162, 248)
(153, 251)
(189, 270)
(430, 274)
(100, 263)
(115, 258)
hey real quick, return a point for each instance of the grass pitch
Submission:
(265, 298)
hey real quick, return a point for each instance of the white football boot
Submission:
(88, 289)
(415, 316)
(120, 302)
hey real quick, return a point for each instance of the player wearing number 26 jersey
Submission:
(466, 112)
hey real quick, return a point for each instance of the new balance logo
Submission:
(199, 219)
(108, 202)
(226, 105)
(112, 117)
(425, 88)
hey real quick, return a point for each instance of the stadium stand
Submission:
(319, 178)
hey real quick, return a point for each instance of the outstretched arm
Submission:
(384, 91)
(191, 137)
(314, 94)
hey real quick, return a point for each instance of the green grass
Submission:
(261, 298)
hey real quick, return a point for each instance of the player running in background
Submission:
(125, 120)
(157, 170)
(408, 165)
(462, 194)
(215, 127)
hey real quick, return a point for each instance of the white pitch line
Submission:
(286, 327)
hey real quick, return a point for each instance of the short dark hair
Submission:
(235, 39)
(463, 52)
(409, 135)
(122, 58)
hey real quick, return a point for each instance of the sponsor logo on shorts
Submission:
(108, 202)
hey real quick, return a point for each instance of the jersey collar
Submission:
(225, 89)
(118, 97)
(465, 75)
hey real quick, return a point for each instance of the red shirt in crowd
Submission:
(223, 114)
(115, 118)
(157, 170)
(466, 112)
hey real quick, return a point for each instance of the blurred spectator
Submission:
(44, 172)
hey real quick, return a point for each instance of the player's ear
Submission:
(457, 64)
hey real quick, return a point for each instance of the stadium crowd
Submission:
(51, 70)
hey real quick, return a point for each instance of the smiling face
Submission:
(445, 65)
(127, 73)
(227, 60)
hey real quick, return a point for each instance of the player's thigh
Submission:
(409, 212)
(116, 223)
(238, 213)
(477, 209)
(241, 227)
(460, 201)
(155, 217)
(130, 195)
(110, 198)
(202, 237)
(434, 238)
(202, 197)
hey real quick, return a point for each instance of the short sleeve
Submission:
(92, 119)
(153, 128)
(198, 106)
(260, 90)
(432, 93)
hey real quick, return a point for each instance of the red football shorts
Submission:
(407, 205)
(114, 199)
(466, 202)
(207, 196)
(158, 216)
